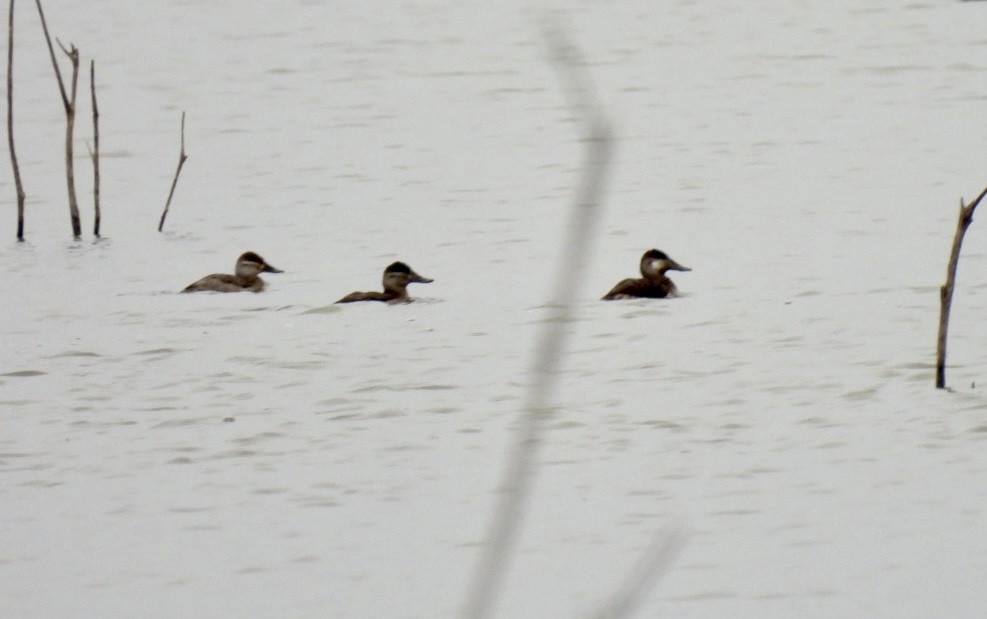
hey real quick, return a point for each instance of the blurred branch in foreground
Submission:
(649, 568)
(518, 479)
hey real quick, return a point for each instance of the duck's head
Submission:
(655, 262)
(398, 275)
(251, 264)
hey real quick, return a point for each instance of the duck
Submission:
(396, 278)
(245, 276)
(654, 284)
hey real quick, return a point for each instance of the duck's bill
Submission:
(415, 277)
(675, 266)
(270, 269)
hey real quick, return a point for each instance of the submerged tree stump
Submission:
(946, 291)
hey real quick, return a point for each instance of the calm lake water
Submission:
(274, 455)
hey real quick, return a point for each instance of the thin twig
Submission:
(519, 477)
(94, 153)
(946, 291)
(10, 124)
(181, 161)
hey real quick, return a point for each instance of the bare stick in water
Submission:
(94, 154)
(181, 161)
(10, 124)
(68, 102)
(518, 479)
(946, 291)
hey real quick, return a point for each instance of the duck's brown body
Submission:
(246, 277)
(353, 297)
(653, 284)
(643, 288)
(396, 278)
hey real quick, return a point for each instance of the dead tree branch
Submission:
(10, 124)
(68, 102)
(946, 291)
(181, 161)
(94, 153)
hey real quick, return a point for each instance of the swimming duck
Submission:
(397, 276)
(653, 284)
(248, 266)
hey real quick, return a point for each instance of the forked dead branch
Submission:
(946, 291)
(68, 102)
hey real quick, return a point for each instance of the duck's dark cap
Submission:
(655, 254)
(397, 267)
